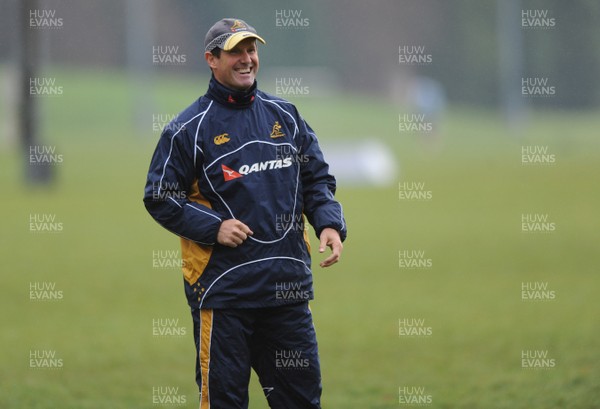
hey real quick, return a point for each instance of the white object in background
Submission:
(366, 163)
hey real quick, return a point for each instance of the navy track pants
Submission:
(279, 343)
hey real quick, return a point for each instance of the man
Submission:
(234, 175)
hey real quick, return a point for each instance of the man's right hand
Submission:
(233, 232)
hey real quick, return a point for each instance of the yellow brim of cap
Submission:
(239, 36)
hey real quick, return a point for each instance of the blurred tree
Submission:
(466, 52)
(568, 54)
(29, 122)
(359, 41)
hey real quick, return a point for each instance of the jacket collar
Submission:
(229, 97)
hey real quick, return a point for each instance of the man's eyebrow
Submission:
(238, 49)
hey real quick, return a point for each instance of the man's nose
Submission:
(245, 57)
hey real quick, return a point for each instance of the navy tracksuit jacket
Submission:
(248, 156)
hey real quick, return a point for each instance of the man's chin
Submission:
(244, 85)
(244, 82)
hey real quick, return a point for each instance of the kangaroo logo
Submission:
(237, 26)
(276, 132)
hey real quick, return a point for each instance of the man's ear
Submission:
(210, 59)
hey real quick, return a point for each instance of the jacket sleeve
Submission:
(169, 183)
(318, 185)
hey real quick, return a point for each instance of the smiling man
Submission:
(236, 175)
(235, 68)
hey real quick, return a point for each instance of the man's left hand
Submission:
(330, 238)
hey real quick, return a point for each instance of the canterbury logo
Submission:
(276, 132)
(230, 174)
(221, 139)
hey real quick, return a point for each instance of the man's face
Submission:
(237, 68)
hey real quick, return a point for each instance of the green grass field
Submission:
(102, 328)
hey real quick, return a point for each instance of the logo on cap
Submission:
(238, 25)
